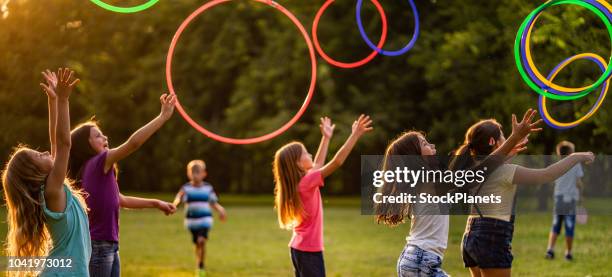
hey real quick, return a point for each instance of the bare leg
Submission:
(568, 244)
(475, 271)
(496, 272)
(552, 239)
(198, 251)
(203, 251)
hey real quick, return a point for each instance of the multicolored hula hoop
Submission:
(604, 90)
(524, 61)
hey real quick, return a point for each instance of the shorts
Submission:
(487, 243)
(569, 222)
(416, 262)
(563, 207)
(199, 232)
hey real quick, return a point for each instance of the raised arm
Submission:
(54, 189)
(530, 176)
(49, 87)
(360, 127)
(138, 138)
(516, 143)
(327, 130)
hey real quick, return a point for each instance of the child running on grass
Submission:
(199, 197)
(429, 223)
(567, 193)
(92, 165)
(297, 196)
(46, 214)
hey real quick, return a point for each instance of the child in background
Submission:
(566, 195)
(297, 196)
(46, 215)
(199, 197)
(92, 165)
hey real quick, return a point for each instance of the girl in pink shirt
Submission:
(297, 196)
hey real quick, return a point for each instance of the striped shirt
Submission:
(198, 200)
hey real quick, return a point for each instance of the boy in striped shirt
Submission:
(200, 199)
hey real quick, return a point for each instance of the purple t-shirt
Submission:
(103, 199)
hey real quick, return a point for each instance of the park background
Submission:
(242, 69)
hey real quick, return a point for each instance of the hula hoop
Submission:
(406, 48)
(117, 9)
(315, 38)
(550, 121)
(268, 136)
(522, 52)
(535, 74)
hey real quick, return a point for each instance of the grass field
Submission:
(251, 244)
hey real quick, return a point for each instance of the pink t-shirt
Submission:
(308, 235)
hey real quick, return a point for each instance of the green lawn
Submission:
(251, 244)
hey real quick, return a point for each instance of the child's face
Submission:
(305, 162)
(97, 140)
(43, 160)
(427, 149)
(198, 174)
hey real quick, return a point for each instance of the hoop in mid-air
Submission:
(315, 38)
(133, 9)
(265, 137)
(524, 61)
(602, 95)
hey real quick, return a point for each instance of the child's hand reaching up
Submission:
(362, 125)
(523, 129)
(327, 128)
(65, 83)
(51, 83)
(167, 105)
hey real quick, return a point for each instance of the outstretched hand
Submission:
(525, 127)
(167, 105)
(362, 125)
(50, 84)
(65, 83)
(327, 128)
(585, 157)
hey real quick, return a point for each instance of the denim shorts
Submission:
(487, 243)
(563, 207)
(416, 262)
(568, 220)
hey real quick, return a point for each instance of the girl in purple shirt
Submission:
(92, 164)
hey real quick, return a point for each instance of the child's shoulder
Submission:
(312, 176)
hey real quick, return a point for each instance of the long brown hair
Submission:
(81, 150)
(22, 181)
(287, 175)
(407, 143)
(476, 143)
